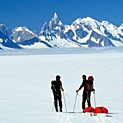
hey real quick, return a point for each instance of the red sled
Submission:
(89, 109)
(101, 110)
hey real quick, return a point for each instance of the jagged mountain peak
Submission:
(88, 19)
(108, 24)
(92, 22)
(53, 24)
(85, 20)
(88, 22)
(55, 15)
(121, 26)
(110, 28)
(22, 33)
(22, 29)
(1, 25)
(2, 28)
(44, 27)
(55, 19)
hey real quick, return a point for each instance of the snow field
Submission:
(26, 97)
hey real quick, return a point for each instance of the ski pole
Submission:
(64, 101)
(75, 102)
(53, 107)
(94, 99)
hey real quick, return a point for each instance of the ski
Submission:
(90, 114)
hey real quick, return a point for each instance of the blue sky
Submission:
(33, 13)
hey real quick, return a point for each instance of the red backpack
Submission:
(90, 83)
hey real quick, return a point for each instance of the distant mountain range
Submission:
(83, 32)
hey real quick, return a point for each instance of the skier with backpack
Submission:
(56, 87)
(88, 88)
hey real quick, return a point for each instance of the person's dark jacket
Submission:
(55, 86)
(84, 84)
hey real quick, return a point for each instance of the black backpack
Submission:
(53, 87)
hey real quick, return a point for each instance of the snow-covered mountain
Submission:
(5, 40)
(53, 32)
(83, 32)
(27, 39)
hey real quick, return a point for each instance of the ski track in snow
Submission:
(25, 95)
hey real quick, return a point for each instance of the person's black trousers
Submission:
(58, 99)
(86, 97)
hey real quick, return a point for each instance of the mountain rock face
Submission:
(5, 40)
(20, 34)
(83, 32)
(26, 38)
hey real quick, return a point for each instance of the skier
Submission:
(88, 88)
(56, 87)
